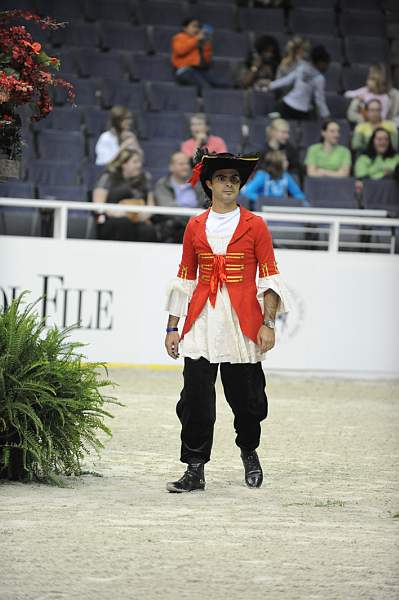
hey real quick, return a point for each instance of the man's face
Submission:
(192, 28)
(225, 186)
(180, 166)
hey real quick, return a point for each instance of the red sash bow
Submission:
(218, 276)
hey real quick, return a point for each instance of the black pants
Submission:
(287, 112)
(244, 388)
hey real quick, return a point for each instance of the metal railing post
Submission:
(333, 239)
(60, 222)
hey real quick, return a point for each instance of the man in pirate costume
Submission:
(229, 317)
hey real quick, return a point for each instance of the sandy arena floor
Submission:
(322, 526)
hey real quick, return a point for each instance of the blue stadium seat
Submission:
(81, 225)
(354, 5)
(66, 118)
(224, 72)
(325, 192)
(157, 153)
(72, 193)
(153, 12)
(231, 102)
(381, 194)
(69, 60)
(218, 17)
(362, 23)
(333, 45)
(262, 20)
(53, 172)
(319, 4)
(333, 77)
(87, 91)
(73, 9)
(312, 21)
(162, 39)
(60, 145)
(366, 50)
(338, 105)
(94, 63)
(104, 10)
(168, 96)
(80, 34)
(119, 91)
(271, 201)
(153, 68)
(354, 76)
(165, 125)
(17, 189)
(123, 36)
(230, 44)
(91, 174)
(19, 221)
(262, 103)
(227, 127)
(96, 121)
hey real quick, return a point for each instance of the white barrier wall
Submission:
(344, 315)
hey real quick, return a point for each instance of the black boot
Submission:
(253, 470)
(193, 479)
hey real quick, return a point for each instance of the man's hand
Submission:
(172, 344)
(266, 338)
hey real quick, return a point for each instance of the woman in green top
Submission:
(380, 158)
(329, 158)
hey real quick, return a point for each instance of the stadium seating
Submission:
(166, 96)
(327, 192)
(379, 194)
(63, 192)
(313, 21)
(262, 21)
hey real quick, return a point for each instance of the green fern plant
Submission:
(51, 401)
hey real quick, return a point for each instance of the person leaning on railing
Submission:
(125, 182)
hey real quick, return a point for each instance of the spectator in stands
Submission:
(201, 136)
(308, 84)
(125, 182)
(274, 181)
(277, 138)
(328, 158)
(373, 120)
(192, 54)
(120, 135)
(260, 66)
(173, 190)
(378, 161)
(376, 88)
(296, 50)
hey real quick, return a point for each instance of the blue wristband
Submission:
(170, 329)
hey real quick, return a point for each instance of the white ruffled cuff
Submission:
(178, 294)
(275, 283)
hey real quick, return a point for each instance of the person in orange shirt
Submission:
(192, 54)
(229, 317)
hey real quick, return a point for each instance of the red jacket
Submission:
(251, 247)
(185, 51)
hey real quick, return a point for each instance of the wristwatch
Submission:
(269, 323)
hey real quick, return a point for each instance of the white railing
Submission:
(313, 220)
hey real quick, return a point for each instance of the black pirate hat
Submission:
(205, 165)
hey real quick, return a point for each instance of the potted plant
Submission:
(51, 401)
